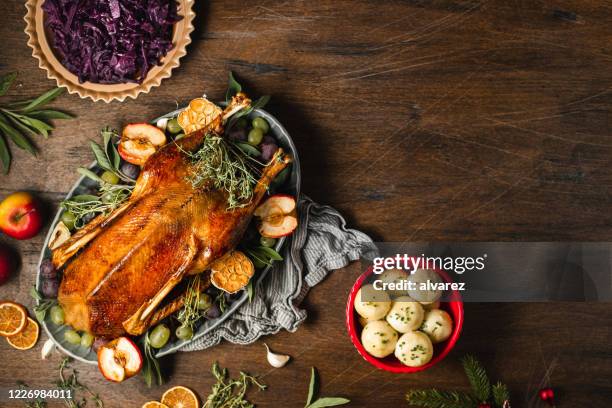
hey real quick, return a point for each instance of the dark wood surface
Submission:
(420, 121)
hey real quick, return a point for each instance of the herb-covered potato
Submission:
(405, 314)
(414, 349)
(394, 276)
(363, 321)
(378, 338)
(421, 276)
(438, 325)
(371, 303)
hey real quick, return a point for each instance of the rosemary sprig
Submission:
(228, 392)
(189, 315)
(71, 382)
(23, 119)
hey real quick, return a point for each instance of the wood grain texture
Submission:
(419, 120)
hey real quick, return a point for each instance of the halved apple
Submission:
(139, 141)
(277, 216)
(119, 359)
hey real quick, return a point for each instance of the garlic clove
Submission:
(276, 360)
(60, 234)
(162, 124)
(47, 349)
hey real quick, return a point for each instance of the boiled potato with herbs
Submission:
(371, 303)
(363, 321)
(421, 276)
(394, 276)
(405, 314)
(378, 338)
(438, 325)
(414, 349)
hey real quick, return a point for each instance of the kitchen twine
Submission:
(320, 244)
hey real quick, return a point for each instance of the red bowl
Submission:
(390, 363)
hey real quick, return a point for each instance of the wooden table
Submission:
(419, 121)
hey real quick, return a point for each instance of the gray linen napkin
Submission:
(321, 244)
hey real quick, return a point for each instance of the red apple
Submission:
(20, 216)
(139, 141)
(277, 216)
(119, 359)
(8, 262)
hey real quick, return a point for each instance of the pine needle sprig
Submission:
(500, 394)
(434, 398)
(478, 378)
(481, 392)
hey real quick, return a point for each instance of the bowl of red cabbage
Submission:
(112, 49)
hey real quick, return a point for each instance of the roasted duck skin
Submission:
(119, 268)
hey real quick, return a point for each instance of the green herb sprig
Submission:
(228, 392)
(189, 315)
(42, 305)
(323, 401)
(262, 256)
(70, 381)
(216, 164)
(21, 120)
(482, 391)
(151, 370)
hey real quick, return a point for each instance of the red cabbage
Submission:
(111, 41)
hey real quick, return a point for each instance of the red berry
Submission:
(547, 394)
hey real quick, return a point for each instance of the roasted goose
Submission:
(119, 268)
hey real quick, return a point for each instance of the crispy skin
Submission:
(168, 231)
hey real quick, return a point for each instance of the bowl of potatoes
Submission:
(403, 330)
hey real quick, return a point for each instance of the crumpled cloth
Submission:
(321, 243)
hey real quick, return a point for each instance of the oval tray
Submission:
(83, 184)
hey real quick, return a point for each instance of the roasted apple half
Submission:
(119, 359)
(277, 216)
(139, 141)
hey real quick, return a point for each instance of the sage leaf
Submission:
(6, 81)
(101, 156)
(329, 402)
(261, 102)
(49, 114)
(43, 99)
(5, 155)
(90, 174)
(250, 290)
(19, 139)
(270, 253)
(312, 387)
(248, 149)
(35, 294)
(233, 87)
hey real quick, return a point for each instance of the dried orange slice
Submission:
(180, 397)
(154, 404)
(13, 318)
(232, 272)
(27, 338)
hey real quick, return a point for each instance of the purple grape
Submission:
(130, 170)
(98, 342)
(213, 312)
(238, 135)
(268, 139)
(47, 270)
(267, 151)
(90, 216)
(49, 288)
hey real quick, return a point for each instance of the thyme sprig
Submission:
(22, 119)
(70, 381)
(83, 206)
(231, 393)
(217, 164)
(189, 315)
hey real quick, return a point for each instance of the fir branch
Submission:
(477, 376)
(433, 398)
(500, 394)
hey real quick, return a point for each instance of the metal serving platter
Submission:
(85, 185)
